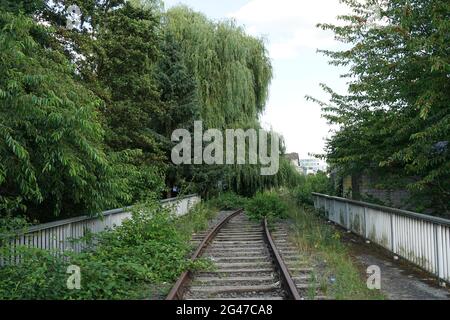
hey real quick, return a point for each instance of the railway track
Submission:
(302, 271)
(247, 265)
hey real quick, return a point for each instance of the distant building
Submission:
(311, 166)
(294, 157)
(295, 160)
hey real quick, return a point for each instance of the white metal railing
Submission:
(421, 239)
(58, 236)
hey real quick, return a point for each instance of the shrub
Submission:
(267, 204)
(229, 201)
(319, 183)
(145, 249)
(40, 275)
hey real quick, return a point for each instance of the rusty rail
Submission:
(177, 291)
(286, 279)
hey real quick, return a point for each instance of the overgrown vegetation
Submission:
(86, 114)
(86, 117)
(229, 201)
(337, 275)
(134, 261)
(266, 205)
(319, 183)
(394, 123)
(198, 219)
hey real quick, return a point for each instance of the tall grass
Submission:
(197, 219)
(339, 277)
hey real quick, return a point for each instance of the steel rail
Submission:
(286, 279)
(177, 291)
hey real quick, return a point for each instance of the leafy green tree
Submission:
(319, 183)
(395, 120)
(232, 70)
(127, 51)
(177, 87)
(116, 50)
(25, 6)
(179, 98)
(52, 158)
(103, 99)
(127, 48)
(232, 74)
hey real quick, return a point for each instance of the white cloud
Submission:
(264, 11)
(310, 38)
(290, 24)
(301, 125)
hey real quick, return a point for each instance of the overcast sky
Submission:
(292, 39)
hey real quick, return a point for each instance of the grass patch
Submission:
(197, 219)
(339, 277)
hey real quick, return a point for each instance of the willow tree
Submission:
(395, 121)
(232, 70)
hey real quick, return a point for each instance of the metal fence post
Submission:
(68, 237)
(334, 210)
(347, 213)
(392, 233)
(437, 253)
(365, 223)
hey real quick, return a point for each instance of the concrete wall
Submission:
(363, 188)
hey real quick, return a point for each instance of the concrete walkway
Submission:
(399, 279)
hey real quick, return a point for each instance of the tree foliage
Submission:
(232, 70)
(395, 120)
(87, 113)
(52, 157)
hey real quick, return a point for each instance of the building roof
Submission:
(292, 156)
